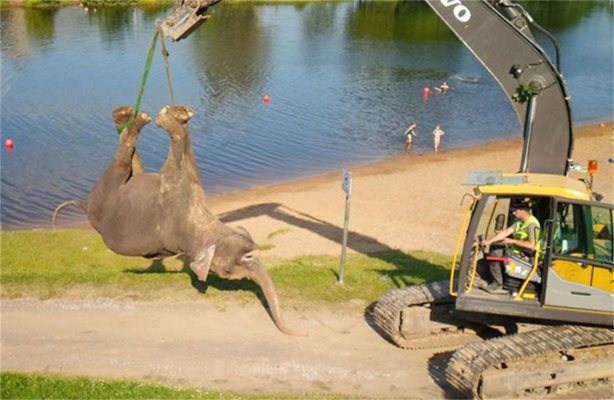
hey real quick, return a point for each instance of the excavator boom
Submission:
(499, 37)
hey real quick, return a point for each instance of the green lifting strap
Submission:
(137, 106)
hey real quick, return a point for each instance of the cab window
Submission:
(583, 231)
(602, 233)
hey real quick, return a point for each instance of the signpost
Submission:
(346, 185)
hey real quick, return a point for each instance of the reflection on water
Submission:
(344, 78)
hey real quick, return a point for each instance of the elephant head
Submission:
(231, 256)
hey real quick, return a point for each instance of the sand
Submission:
(409, 203)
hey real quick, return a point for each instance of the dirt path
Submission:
(235, 349)
(198, 345)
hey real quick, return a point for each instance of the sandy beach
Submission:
(409, 203)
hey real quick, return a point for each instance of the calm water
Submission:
(344, 81)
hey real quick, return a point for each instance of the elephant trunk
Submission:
(263, 279)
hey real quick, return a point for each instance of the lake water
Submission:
(344, 79)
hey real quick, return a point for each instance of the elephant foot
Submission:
(127, 125)
(129, 136)
(121, 116)
(174, 120)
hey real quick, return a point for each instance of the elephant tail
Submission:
(82, 204)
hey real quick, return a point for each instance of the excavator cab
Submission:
(569, 277)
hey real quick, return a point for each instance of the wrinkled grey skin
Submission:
(163, 214)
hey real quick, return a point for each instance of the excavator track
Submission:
(404, 317)
(534, 363)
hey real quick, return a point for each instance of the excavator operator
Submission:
(524, 242)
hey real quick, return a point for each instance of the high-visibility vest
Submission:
(521, 232)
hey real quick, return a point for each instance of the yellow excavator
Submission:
(550, 327)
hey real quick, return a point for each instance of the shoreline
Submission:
(44, 222)
(587, 129)
(507, 141)
(404, 203)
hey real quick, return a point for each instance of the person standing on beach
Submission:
(409, 136)
(437, 134)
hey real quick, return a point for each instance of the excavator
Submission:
(549, 329)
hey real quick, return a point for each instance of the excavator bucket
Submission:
(186, 17)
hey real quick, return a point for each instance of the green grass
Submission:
(34, 386)
(45, 3)
(49, 264)
(75, 262)
(25, 386)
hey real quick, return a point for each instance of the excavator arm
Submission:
(497, 33)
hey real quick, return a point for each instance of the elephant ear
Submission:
(202, 262)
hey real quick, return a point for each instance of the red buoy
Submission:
(266, 99)
(426, 92)
(8, 143)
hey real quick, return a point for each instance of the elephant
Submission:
(157, 215)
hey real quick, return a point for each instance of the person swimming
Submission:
(443, 88)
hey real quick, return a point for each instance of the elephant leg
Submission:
(126, 156)
(137, 164)
(119, 170)
(190, 161)
(121, 117)
(180, 161)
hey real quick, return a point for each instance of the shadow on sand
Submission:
(406, 265)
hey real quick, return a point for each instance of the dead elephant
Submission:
(157, 215)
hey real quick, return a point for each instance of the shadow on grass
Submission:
(409, 269)
(224, 285)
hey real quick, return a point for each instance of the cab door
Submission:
(579, 260)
